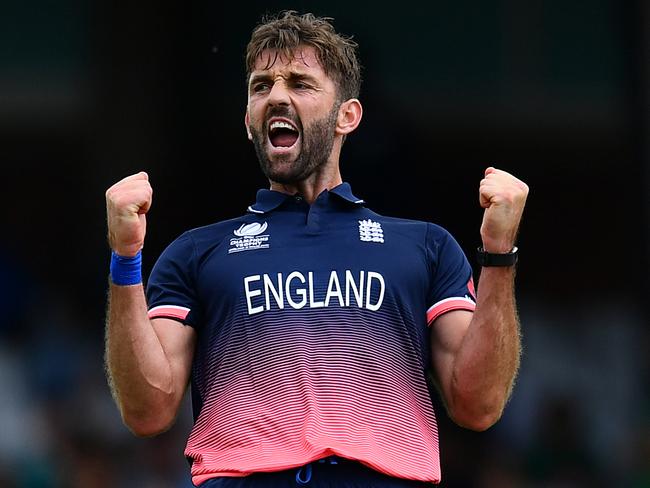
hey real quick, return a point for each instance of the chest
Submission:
(289, 263)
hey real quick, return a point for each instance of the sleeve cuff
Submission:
(169, 311)
(447, 305)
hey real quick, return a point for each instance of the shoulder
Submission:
(219, 228)
(196, 240)
(429, 230)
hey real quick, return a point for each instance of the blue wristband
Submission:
(126, 270)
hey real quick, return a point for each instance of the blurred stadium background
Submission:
(554, 91)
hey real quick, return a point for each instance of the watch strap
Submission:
(487, 259)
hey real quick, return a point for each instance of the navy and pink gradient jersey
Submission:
(312, 326)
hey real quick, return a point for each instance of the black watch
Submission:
(486, 259)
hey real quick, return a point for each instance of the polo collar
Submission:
(345, 191)
(268, 200)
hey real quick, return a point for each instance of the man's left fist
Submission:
(503, 197)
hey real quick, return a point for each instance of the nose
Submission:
(279, 94)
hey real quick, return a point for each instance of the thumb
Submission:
(484, 200)
(144, 208)
(484, 195)
(146, 205)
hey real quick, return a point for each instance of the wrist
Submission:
(499, 259)
(125, 250)
(126, 270)
(497, 247)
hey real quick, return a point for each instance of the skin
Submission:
(148, 361)
(301, 86)
(475, 355)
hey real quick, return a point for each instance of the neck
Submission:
(310, 187)
(324, 178)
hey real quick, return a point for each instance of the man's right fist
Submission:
(127, 202)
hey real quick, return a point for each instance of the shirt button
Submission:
(298, 198)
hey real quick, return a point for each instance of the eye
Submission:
(260, 87)
(301, 85)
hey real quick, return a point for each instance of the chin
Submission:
(284, 177)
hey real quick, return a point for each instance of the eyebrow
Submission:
(293, 76)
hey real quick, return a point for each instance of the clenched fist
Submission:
(503, 197)
(127, 202)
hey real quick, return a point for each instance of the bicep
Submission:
(447, 334)
(178, 341)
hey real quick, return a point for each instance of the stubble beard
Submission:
(316, 145)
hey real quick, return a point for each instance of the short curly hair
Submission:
(287, 30)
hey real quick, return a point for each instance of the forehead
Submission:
(303, 60)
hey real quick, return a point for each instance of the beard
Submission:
(316, 142)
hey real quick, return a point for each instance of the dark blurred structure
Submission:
(556, 92)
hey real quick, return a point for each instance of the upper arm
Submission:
(447, 334)
(178, 342)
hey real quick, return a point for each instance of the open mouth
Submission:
(282, 133)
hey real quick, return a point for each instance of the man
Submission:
(309, 325)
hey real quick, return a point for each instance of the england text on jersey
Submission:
(365, 290)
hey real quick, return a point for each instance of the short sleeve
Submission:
(171, 290)
(451, 281)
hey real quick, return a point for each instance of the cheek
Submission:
(254, 112)
(252, 119)
(256, 124)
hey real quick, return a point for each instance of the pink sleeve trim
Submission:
(172, 311)
(447, 305)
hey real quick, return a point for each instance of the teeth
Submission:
(282, 125)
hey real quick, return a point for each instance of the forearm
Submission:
(487, 361)
(139, 372)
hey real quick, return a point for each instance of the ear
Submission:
(247, 123)
(350, 113)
